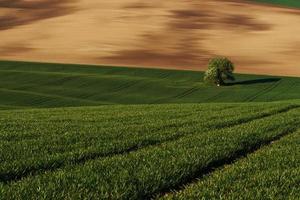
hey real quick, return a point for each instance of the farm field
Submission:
(131, 151)
(33, 85)
(108, 100)
(259, 176)
(260, 39)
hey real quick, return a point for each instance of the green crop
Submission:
(204, 139)
(35, 85)
(270, 173)
(51, 149)
(43, 140)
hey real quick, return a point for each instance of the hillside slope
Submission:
(260, 38)
(58, 85)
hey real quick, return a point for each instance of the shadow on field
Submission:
(22, 12)
(256, 81)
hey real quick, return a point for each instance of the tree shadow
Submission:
(256, 81)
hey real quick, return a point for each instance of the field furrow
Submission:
(151, 170)
(178, 137)
(45, 95)
(26, 156)
(61, 85)
(186, 93)
(263, 91)
(272, 172)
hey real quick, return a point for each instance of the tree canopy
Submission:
(219, 70)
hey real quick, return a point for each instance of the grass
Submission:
(270, 173)
(39, 146)
(122, 152)
(54, 147)
(35, 85)
(288, 3)
(62, 137)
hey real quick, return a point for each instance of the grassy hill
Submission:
(167, 147)
(56, 85)
(143, 151)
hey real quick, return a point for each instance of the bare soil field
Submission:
(260, 39)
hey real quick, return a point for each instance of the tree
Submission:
(219, 70)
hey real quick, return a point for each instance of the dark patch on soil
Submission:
(184, 53)
(204, 19)
(245, 21)
(184, 35)
(22, 12)
(138, 5)
(13, 49)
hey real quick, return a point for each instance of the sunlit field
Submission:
(128, 99)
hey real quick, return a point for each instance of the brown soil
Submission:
(165, 34)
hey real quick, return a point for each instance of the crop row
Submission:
(38, 88)
(153, 169)
(270, 173)
(55, 85)
(69, 141)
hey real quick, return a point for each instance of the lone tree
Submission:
(219, 70)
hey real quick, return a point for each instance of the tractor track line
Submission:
(7, 178)
(215, 165)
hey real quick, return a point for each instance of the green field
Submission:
(271, 173)
(129, 152)
(288, 3)
(90, 132)
(54, 85)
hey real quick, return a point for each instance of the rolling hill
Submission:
(260, 38)
(79, 131)
(24, 84)
(75, 131)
